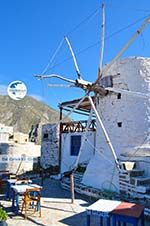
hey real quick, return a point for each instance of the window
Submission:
(75, 145)
(107, 81)
(119, 96)
(45, 136)
(119, 124)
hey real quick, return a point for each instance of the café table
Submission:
(102, 210)
(115, 213)
(17, 191)
(10, 182)
(128, 213)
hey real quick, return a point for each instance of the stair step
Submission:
(136, 173)
(147, 211)
(128, 165)
(142, 189)
(140, 180)
(131, 173)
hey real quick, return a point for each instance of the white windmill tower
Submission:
(119, 99)
(126, 118)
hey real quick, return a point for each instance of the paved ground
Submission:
(57, 209)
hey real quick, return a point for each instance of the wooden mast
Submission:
(99, 77)
(102, 43)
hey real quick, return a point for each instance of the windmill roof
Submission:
(84, 107)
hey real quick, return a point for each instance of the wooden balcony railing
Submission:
(77, 126)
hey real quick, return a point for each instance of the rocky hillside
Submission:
(24, 113)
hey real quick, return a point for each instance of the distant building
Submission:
(5, 132)
(33, 134)
(16, 152)
(20, 137)
(18, 157)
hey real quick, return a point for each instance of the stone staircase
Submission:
(135, 185)
(133, 181)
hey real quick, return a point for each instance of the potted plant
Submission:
(3, 217)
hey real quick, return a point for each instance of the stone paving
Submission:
(57, 209)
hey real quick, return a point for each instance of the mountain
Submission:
(22, 114)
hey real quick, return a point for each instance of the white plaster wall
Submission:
(6, 129)
(132, 111)
(4, 137)
(11, 154)
(68, 161)
(145, 164)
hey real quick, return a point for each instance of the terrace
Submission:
(56, 207)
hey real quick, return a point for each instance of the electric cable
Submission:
(98, 42)
(68, 33)
(53, 57)
(94, 13)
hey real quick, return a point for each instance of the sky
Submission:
(31, 31)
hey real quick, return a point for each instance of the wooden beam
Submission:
(72, 187)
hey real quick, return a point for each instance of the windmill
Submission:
(98, 87)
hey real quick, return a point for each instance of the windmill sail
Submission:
(102, 43)
(125, 47)
(74, 58)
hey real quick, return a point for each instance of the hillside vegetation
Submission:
(22, 114)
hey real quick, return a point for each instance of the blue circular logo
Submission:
(17, 90)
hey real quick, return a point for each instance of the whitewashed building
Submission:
(60, 145)
(16, 157)
(127, 121)
(72, 136)
(126, 118)
(5, 132)
(16, 153)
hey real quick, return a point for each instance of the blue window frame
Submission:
(75, 145)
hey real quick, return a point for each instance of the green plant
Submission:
(108, 194)
(81, 169)
(3, 215)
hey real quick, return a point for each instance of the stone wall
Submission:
(50, 146)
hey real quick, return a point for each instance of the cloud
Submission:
(3, 89)
(37, 97)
